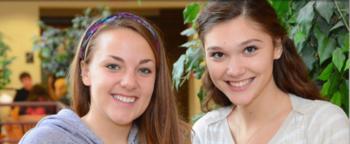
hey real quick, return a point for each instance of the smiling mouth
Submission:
(240, 85)
(124, 99)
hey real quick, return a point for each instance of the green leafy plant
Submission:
(192, 61)
(56, 46)
(320, 30)
(5, 62)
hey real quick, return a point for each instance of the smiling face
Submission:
(121, 76)
(239, 56)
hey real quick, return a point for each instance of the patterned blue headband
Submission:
(101, 23)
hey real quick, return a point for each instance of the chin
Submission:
(122, 122)
(240, 100)
(121, 119)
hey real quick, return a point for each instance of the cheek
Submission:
(261, 64)
(215, 69)
(147, 85)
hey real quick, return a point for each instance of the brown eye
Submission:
(250, 50)
(145, 71)
(113, 67)
(217, 55)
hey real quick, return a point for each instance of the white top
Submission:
(309, 122)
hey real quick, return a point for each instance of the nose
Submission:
(128, 80)
(235, 67)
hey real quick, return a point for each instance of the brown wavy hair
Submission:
(289, 72)
(159, 124)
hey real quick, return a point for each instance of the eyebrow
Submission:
(241, 44)
(117, 58)
(121, 60)
(249, 41)
(145, 61)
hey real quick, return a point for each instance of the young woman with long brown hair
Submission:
(255, 74)
(121, 88)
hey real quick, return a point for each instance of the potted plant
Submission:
(5, 62)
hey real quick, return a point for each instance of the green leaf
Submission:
(338, 58)
(188, 32)
(345, 43)
(308, 57)
(325, 88)
(325, 49)
(326, 72)
(304, 22)
(325, 9)
(178, 70)
(199, 71)
(189, 44)
(306, 14)
(336, 99)
(331, 85)
(282, 9)
(195, 57)
(325, 45)
(337, 25)
(201, 94)
(346, 65)
(195, 43)
(299, 37)
(344, 90)
(190, 12)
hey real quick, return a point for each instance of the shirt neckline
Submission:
(297, 107)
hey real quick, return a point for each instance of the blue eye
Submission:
(250, 50)
(113, 67)
(145, 71)
(217, 55)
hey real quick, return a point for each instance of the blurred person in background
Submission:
(27, 84)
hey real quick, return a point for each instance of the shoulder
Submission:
(324, 120)
(212, 117)
(211, 121)
(329, 122)
(327, 114)
(322, 110)
(43, 135)
(22, 90)
(316, 108)
(212, 127)
(59, 128)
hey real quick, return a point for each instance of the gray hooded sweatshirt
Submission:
(66, 127)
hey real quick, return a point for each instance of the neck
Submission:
(106, 129)
(263, 108)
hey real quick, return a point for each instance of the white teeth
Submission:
(124, 99)
(240, 83)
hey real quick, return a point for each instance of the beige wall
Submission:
(18, 24)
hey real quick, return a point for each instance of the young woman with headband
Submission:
(122, 92)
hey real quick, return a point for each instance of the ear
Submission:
(278, 49)
(85, 73)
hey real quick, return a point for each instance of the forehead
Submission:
(120, 41)
(234, 31)
(26, 78)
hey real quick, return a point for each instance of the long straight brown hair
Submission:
(289, 72)
(159, 124)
